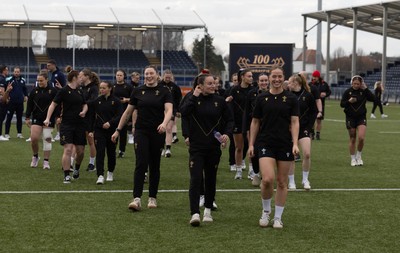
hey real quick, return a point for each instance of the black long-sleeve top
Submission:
(358, 108)
(38, 103)
(206, 114)
(176, 94)
(105, 109)
(184, 120)
(378, 94)
(239, 96)
(90, 92)
(308, 109)
(249, 107)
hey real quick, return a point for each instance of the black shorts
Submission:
(304, 133)
(279, 154)
(354, 122)
(72, 134)
(39, 122)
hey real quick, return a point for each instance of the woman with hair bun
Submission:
(353, 101)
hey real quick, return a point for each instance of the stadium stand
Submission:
(17, 56)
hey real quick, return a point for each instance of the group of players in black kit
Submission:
(274, 120)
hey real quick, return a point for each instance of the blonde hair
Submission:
(378, 83)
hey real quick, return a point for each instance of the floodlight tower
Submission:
(318, 56)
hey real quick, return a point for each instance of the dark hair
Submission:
(43, 74)
(71, 75)
(109, 85)
(68, 68)
(2, 68)
(123, 72)
(277, 67)
(241, 74)
(51, 61)
(150, 67)
(87, 72)
(94, 78)
(200, 79)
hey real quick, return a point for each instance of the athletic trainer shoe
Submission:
(306, 185)
(238, 174)
(28, 140)
(91, 167)
(384, 116)
(152, 203)
(35, 161)
(2, 138)
(353, 162)
(67, 179)
(243, 165)
(292, 186)
(360, 161)
(175, 139)
(130, 139)
(46, 165)
(256, 180)
(251, 173)
(373, 116)
(135, 205)
(57, 137)
(75, 174)
(202, 200)
(168, 153)
(277, 223)
(214, 206)
(195, 220)
(121, 154)
(110, 176)
(232, 168)
(207, 216)
(100, 180)
(19, 136)
(264, 220)
(7, 136)
(163, 152)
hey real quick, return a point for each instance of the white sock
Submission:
(358, 154)
(207, 210)
(278, 212)
(291, 179)
(305, 176)
(266, 203)
(91, 160)
(72, 161)
(353, 157)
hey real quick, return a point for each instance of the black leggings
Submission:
(377, 104)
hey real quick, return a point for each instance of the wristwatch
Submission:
(118, 130)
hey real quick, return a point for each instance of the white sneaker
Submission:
(306, 185)
(373, 116)
(46, 165)
(110, 176)
(168, 153)
(243, 165)
(130, 139)
(207, 216)
(28, 140)
(292, 186)
(2, 138)
(35, 161)
(100, 180)
(202, 200)
(232, 168)
(19, 136)
(163, 152)
(215, 207)
(57, 137)
(360, 161)
(135, 205)
(251, 173)
(277, 223)
(7, 136)
(152, 203)
(353, 162)
(264, 220)
(195, 220)
(238, 174)
(384, 116)
(256, 180)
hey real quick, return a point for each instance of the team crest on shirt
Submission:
(263, 151)
(199, 103)
(143, 92)
(216, 104)
(304, 98)
(157, 92)
(191, 164)
(266, 99)
(287, 154)
(284, 99)
(37, 92)
(112, 102)
(69, 92)
(99, 102)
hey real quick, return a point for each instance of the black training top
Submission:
(249, 107)
(358, 108)
(123, 90)
(239, 95)
(308, 109)
(105, 109)
(71, 101)
(176, 94)
(149, 103)
(38, 103)
(275, 112)
(206, 114)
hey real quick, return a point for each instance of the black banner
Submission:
(260, 57)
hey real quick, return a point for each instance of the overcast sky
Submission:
(255, 21)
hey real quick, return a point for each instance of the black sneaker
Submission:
(175, 139)
(318, 137)
(121, 154)
(91, 168)
(297, 158)
(75, 174)
(67, 179)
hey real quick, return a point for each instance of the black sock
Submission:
(77, 166)
(173, 134)
(36, 155)
(66, 173)
(46, 160)
(168, 146)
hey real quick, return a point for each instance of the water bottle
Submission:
(217, 136)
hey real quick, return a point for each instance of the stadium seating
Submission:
(16, 56)
(177, 60)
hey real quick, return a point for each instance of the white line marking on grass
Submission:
(179, 191)
(389, 132)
